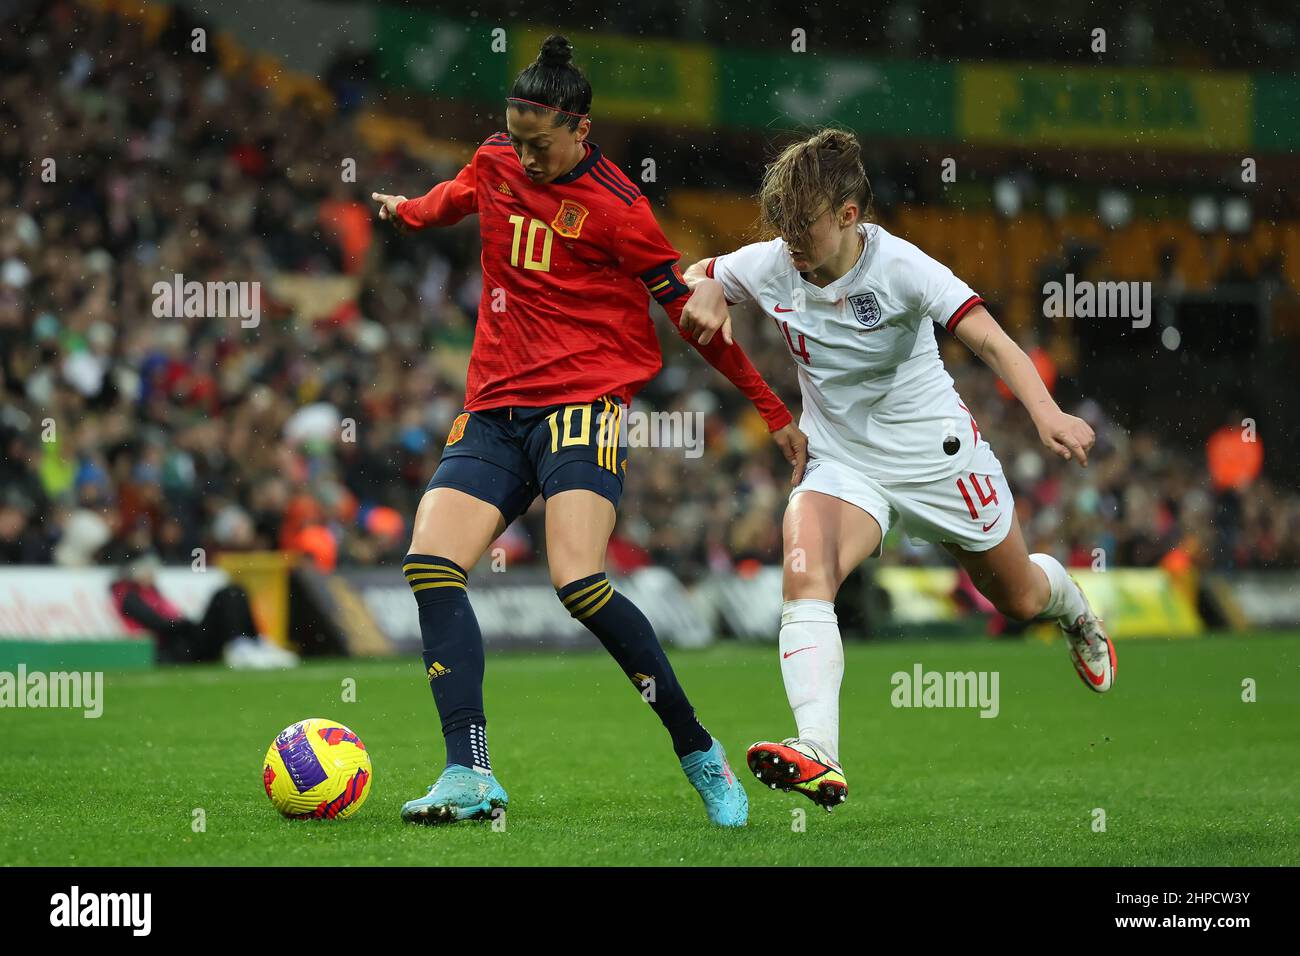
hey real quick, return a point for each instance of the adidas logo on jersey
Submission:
(504, 187)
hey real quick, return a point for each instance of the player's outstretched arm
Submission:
(388, 208)
(1065, 435)
(446, 204)
(706, 309)
(642, 250)
(706, 312)
(696, 273)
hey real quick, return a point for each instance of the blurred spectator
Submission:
(226, 631)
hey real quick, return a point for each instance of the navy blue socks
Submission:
(453, 655)
(624, 631)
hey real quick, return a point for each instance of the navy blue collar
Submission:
(593, 156)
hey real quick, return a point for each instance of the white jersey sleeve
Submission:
(931, 288)
(743, 272)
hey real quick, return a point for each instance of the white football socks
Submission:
(812, 664)
(1066, 602)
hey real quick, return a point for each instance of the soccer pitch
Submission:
(1184, 770)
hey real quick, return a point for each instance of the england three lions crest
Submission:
(865, 309)
(568, 221)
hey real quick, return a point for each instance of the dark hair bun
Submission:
(556, 51)
(554, 80)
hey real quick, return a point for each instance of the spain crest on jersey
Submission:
(865, 309)
(568, 221)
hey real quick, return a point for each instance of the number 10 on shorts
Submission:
(565, 436)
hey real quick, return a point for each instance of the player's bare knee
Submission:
(425, 539)
(1018, 605)
(421, 543)
(566, 568)
(428, 538)
(563, 576)
(808, 585)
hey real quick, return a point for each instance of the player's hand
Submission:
(794, 446)
(388, 207)
(1071, 438)
(706, 313)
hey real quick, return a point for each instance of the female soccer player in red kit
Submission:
(563, 341)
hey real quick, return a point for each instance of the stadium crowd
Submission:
(125, 432)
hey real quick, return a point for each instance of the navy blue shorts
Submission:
(507, 456)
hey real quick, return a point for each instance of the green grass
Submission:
(1186, 772)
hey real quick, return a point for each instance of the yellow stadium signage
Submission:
(1084, 106)
(1139, 602)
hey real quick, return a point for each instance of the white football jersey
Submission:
(875, 392)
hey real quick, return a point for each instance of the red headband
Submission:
(520, 99)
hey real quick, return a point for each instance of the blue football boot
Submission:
(724, 798)
(459, 794)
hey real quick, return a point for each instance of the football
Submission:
(317, 769)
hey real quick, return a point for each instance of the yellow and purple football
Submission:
(317, 769)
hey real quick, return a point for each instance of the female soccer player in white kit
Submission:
(889, 437)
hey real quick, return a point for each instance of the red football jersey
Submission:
(568, 267)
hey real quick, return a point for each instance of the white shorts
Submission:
(972, 510)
